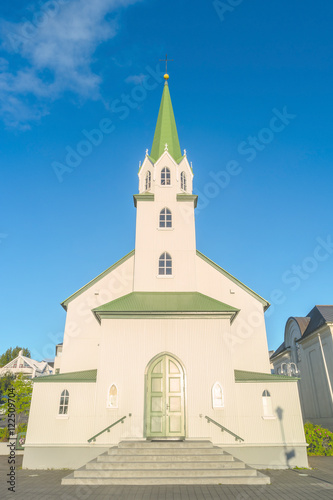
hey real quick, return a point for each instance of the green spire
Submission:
(166, 130)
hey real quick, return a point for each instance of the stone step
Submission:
(163, 451)
(163, 473)
(137, 481)
(152, 465)
(166, 444)
(114, 458)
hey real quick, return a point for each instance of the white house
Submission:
(307, 351)
(30, 368)
(165, 344)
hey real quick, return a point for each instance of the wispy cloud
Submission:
(136, 79)
(53, 53)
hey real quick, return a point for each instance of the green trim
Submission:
(242, 376)
(188, 197)
(265, 303)
(81, 377)
(166, 130)
(95, 280)
(143, 197)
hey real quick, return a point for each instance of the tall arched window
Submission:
(63, 406)
(165, 218)
(165, 264)
(217, 396)
(183, 181)
(148, 181)
(165, 176)
(113, 397)
(267, 404)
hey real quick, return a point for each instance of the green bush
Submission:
(21, 428)
(4, 434)
(320, 440)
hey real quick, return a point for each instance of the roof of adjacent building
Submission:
(38, 366)
(74, 377)
(245, 376)
(166, 130)
(162, 302)
(317, 317)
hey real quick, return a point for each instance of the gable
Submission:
(232, 278)
(95, 280)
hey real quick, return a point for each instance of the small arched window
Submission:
(165, 218)
(63, 406)
(113, 397)
(217, 396)
(165, 176)
(267, 404)
(183, 181)
(148, 181)
(165, 264)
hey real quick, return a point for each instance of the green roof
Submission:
(244, 376)
(162, 302)
(95, 280)
(265, 303)
(166, 130)
(86, 376)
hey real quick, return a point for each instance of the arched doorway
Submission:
(165, 398)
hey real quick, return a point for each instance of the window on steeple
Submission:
(183, 181)
(165, 264)
(165, 218)
(148, 181)
(165, 177)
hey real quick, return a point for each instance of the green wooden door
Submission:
(165, 412)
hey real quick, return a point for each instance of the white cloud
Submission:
(136, 79)
(56, 48)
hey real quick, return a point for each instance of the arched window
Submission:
(165, 218)
(217, 396)
(267, 404)
(64, 399)
(165, 264)
(148, 181)
(113, 397)
(183, 181)
(165, 177)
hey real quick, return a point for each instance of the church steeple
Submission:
(166, 130)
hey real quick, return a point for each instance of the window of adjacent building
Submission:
(267, 404)
(148, 181)
(183, 181)
(165, 176)
(64, 399)
(165, 218)
(165, 264)
(113, 397)
(217, 396)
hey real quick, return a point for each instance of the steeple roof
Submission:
(166, 130)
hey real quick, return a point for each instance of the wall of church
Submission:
(82, 331)
(248, 332)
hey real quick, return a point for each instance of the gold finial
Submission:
(166, 76)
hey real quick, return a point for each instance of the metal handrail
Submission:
(237, 438)
(107, 429)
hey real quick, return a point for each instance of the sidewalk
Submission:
(309, 484)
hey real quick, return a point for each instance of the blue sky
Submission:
(66, 67)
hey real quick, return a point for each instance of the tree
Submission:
(19, 394)
(5, 382)
(12, 353)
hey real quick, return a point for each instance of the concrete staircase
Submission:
(165, 462)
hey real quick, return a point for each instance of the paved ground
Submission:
(309, 484)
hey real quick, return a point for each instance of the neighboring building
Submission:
(164, 338)
(307, 352)
(30, 368)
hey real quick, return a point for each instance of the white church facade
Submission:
(165, 344)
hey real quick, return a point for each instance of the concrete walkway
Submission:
(312, 484)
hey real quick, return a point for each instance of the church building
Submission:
(165, 347)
